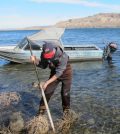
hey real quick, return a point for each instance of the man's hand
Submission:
(33, 58)
(44, 85)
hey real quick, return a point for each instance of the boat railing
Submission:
(80, 48)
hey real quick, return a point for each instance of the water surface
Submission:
(95, 91)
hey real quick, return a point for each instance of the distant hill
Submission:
(36, 28)
(27, 28)
(102, 20)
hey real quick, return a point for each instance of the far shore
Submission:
(101, 20)
(27, 28)
(21, 29)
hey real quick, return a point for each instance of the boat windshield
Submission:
(22, 44)
(33, 47)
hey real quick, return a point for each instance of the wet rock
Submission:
(91, 121)
(4, 117)
(35, 84)
(38, 125)
(63, 125)
(6, 98)
(118, 118)
(70, 115)
(99, 133)
(91, 130)
(5, 130)
(16, 122)
(87, 131)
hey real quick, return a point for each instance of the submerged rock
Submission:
(6, 98)
(91, 121)
(69, 117)
(35, 84)
(16, 122)
(38, 125)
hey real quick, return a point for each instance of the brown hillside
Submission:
(97, 21)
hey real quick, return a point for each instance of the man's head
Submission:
(48, 50)
(113, 47)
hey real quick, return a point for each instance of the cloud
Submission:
(82, 2)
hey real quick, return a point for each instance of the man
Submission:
(109, 50)
(58, 62)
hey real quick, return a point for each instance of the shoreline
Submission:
(63, 27)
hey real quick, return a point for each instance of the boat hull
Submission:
(21, 56)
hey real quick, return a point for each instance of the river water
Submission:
(95, 91)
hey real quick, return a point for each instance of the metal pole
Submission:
(43, 94)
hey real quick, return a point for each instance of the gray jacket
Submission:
(58, 64)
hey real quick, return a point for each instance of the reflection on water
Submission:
(95, 95)
(87, 65)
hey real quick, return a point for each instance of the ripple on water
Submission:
(94, 95)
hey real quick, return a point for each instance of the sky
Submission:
(27, 13)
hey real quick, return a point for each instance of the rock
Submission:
(35, 84)
(87, 131)
(91, 121)
(38, 125)
(16, 122)
(69, 117)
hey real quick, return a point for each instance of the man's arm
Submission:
(42, 63)
(52, 79)
(34, 59)
(59, 71)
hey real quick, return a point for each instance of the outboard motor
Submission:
(109, 50)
